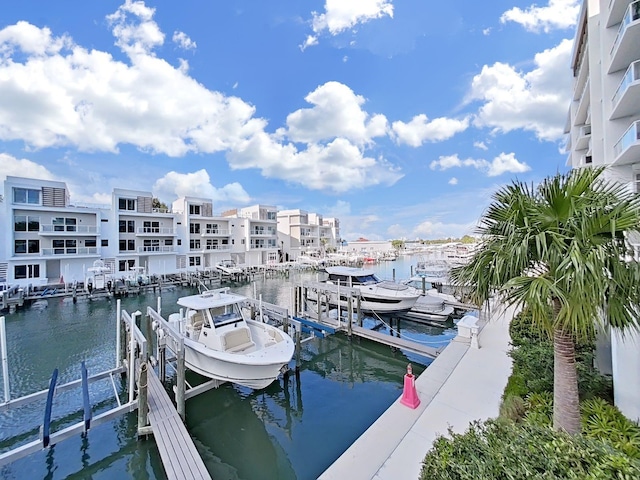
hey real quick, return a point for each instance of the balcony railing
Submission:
(621, 103)
(221, 232)
(70, 251)
(156, 249)
(263, 233)
(66, 229)
(625, 45)
(216, 247)
(630, 138)
(154, 231)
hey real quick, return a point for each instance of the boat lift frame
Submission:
(130, 357)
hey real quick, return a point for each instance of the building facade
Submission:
(603, 129)
(49, 240)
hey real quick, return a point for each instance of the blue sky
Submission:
(399, 117)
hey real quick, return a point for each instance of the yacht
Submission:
(222, 344)
(376, 295)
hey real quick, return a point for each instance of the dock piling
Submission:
(5, 364)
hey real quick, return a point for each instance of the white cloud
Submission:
(183, 40)
(336, 112)
(433, 228)
(56, 93)
(198, 184)
(65, 95)
(503, 163)
(340, 15)
(480, 145)
(14, 167)
(557, 14)
(453, 181)
(420, 129)
(486, 31)
(534, 100)
(339, 165)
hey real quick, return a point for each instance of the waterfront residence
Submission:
(51, 240)
(45, 238)
(603, 128)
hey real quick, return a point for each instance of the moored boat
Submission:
(376, 295)
(222, 344)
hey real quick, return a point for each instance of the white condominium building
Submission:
(603, 127)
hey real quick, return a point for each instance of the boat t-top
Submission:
(376, 295)
(221, 343)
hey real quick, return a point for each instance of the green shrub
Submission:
(504, 450)
(513, 408)
(604, 421)
(523, 331)
(539, 409)
(516, 386)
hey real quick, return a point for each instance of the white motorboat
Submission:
(221, 343)
(376, 295)
(432, 304)
(433, 271)
(228, 267)
(98, 277)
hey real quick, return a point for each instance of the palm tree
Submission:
(559, 250)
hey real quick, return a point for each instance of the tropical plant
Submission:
(560, 247)
(504, 450)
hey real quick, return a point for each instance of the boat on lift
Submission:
(98, 278)
(376, 295)
(229, 267)
(222, 344)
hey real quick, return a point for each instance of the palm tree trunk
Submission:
(566, 403)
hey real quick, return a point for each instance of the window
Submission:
(194, 261)
(126, 204)
(212, 228)
(272, 215)
(179, 241)
(20, 223)
(131, 245)
(33, 223)
(27, 246)
(91, 242)
(125, 245)
(168, 242)
(127, 226)
(194, 209)
(104, 243)
(151, 227)
(194, 244)
(58, 247)
(26, 195)
(124, 265)
(636, 183)
(62, 247)
(62, 224)
(26, 271)
(152, 245)
(194, 228)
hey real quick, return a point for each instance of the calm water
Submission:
(293, 429)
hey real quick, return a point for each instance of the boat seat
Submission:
(237, 339)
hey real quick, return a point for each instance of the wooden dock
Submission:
(179, 455)
(396, 342)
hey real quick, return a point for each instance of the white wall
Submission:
(626, 372)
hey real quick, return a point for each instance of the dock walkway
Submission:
(401, 343)
(462, 384)
(179, 455)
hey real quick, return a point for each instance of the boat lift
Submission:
(128, 359)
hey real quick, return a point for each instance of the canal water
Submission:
(293, 429)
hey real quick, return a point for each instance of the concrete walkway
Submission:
(464, 383)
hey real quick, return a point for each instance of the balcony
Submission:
(617, 9)
(154, 231)
(263, 233)
(156, 249)
(583, 74)
(215, 232)
(625, 46)
(262, 246)
(584, 137)
(626, 100)
(217, 248)
(627, 150)
(582, 112)
(70, 251)
(67, 230)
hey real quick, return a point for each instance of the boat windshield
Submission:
(365, 280)
(225, 314)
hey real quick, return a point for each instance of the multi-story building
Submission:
(46, 239)
(257, 232)
(146, 234)
(209, 238)
(51, 240)
(603, 128)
